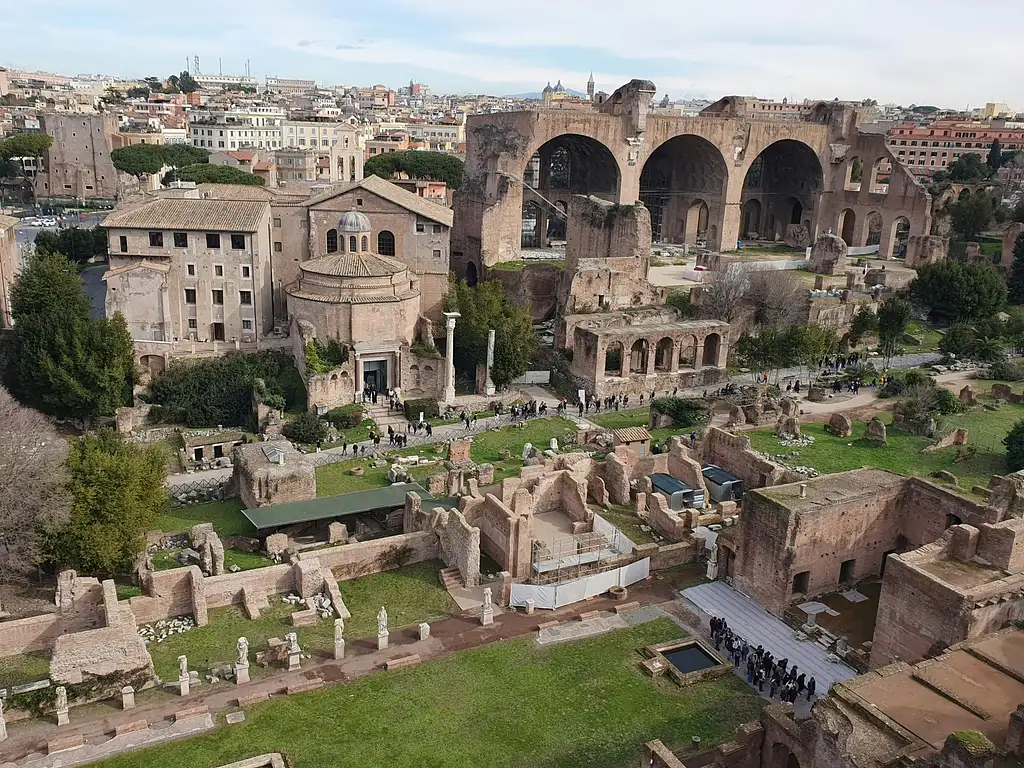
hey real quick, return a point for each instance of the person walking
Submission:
(800, 684)
(810, 688)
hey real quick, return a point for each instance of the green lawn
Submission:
(928, 334)
(226, 516)
(635, 417)
(903, 454)
(487, 445)
(509, 704)
(520, 265)
(411, 594)
(24, 668)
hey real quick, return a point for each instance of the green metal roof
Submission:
(346, 504)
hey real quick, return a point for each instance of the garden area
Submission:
(510, 703)
(411, 594)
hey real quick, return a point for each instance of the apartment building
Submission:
(285, 85)
(391, 142)
(257, 127)
(192, 274)
(223, 81)
(338, 147)
(938, 145)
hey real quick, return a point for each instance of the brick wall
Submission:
(36, 633)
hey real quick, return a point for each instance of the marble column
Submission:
(489, 384)
(449, 375)
(339, 638)
(3, 722)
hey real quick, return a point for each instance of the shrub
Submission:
(425, 404)
(201, 393)
(306, 428)
(1014, 442)
(157, 414)
(684, 411)
(321, 358)
(345, 417)
(1007, 370)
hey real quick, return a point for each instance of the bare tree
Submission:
(778, 298)
(724, 294)
(33, 485)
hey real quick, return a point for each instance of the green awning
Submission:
(329, 507)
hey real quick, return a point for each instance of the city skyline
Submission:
(804, 50)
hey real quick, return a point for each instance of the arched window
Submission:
(386, 243)
(352, 244)
(332, 241)
(365, 243)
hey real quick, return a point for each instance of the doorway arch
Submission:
(847, 225)
(638, 356)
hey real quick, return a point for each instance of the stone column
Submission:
(449, 375)
(673, 362)
(339, 638)
(183, 676)
(698, 355)
(3, 722)
(652, 353)
(62, 705)
(489, 385)
(127, 697)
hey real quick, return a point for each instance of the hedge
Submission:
(426, 405)
(345, 417)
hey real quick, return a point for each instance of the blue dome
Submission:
(353, 221)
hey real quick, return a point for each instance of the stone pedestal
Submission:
(530, 605)
(183, 685)
(127, 697)
(294, 661)
(382, 640)
(241, 673)
(487, 616)
(424, 631)
(62, 717)
(3, 724)
(339, 649)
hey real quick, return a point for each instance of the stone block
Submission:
(276, 544)
(840, 425)
(547, 625)
(436, 485)
(458, 452)
(127, 697)
(424, 631)
(788, 426)
(64, 743)
(337, 533)
(309, 579)
(305, 685)
(736, 417)
(184, 714)
(875, 432)
(967, 395)
(828, 255)
(965, 542)
(254, 601)
(305, 618)
(624, 607)
(402, 662)
(252, 698)
(485, 474)
(132, 727)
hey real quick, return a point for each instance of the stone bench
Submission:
(65, 743)
(402, 662)
(623, 607)
(183, 714)
(305, 685)
(588, 615)
(132, 727)
(547, 625)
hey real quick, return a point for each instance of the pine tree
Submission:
(995, 155)
(1016, 282)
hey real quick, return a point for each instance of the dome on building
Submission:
(548, 88)
(363, 264)
(353, 221)
(559, 88)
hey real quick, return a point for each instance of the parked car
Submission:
(48, 222)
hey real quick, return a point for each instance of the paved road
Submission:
(92, 277)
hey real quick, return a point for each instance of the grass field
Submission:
(24, 668)
(635, 417)
(411, 594)
(902, 454)
(627, 522)
(509, 704)
(226, 517)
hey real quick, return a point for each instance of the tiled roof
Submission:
(354, 265)
(234, 192)
(191, 215)
(632, 435)
(395, 194)
(325, 298)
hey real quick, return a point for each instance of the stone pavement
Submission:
(95, 722)
(750, 621)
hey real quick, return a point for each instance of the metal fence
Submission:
(198, 491)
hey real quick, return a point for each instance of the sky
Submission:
(944, 52)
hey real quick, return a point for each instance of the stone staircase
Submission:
(451, 579)
(379, 413)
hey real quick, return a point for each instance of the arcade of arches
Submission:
(650, 356)
(562, 167)
(782, 187)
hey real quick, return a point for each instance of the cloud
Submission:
(891, 50)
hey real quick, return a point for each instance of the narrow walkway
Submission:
(751, 622)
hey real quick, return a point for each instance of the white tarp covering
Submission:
(553, 596)
(619, 540)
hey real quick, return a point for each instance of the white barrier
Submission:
(619, 540)
(553, 596)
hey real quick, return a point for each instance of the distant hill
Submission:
(538, 95)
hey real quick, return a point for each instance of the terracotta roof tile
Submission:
(191, 215)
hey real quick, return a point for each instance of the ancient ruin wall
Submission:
(733, 454)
